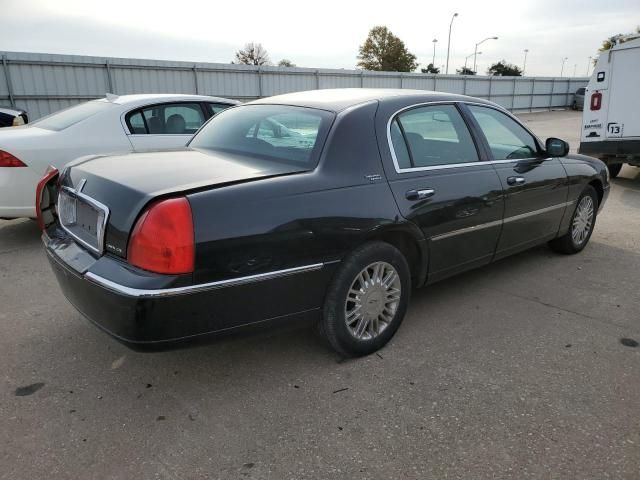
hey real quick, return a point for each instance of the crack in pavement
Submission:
(551, 305)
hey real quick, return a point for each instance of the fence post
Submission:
(533, 92)
(401, 78)
(259, 82)
(464, 85)
(317, 73)
(361, 78)
(195, 78)
(513, 98)
(490, 83)
(7, 76)
(553, 87)
(107, 65)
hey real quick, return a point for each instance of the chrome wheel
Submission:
(582, 220)
(372, 300)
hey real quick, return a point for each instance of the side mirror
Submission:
(556, 147)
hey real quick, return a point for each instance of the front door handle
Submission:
(420, 194)
(516, 180)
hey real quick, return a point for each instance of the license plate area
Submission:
(83, 218)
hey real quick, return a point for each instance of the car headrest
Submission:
(176, 124)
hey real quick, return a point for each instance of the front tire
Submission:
(582, 223)
(367, 299)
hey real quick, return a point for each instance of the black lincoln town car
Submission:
(326, 205)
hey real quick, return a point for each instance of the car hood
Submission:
(127, 183)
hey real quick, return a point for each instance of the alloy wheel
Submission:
(372, 301)
(582, 220)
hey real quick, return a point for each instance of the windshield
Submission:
(286, 134)
(70, 116)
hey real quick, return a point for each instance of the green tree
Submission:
(430, 69)
(286, 63)
(252, 54)
(383, 51)
(465, 71)
(504, 69)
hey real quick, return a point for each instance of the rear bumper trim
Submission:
(145, 293)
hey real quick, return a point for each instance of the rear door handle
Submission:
(516, 180)
(420, 194)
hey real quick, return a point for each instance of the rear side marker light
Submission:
(162, 240)
(596, 101)
(8, 160)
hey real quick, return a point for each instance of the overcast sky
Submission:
(324, 33)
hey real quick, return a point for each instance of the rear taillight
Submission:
(44, 198)
(162, 239)
(596, 101)
(8, 160)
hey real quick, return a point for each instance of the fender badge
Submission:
(373, 178)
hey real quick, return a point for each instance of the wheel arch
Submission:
(408, 239)
(599, 188)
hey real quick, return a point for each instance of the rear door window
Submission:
(166, 119)
(216, 108)
(433, 135)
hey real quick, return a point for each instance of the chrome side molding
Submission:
(232, 282)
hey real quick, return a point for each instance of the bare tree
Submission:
(253, 54)
(286, 63)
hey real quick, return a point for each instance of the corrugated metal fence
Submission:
(44, 83)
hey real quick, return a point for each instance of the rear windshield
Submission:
(580, 91)
(281, 133)
(70, 116)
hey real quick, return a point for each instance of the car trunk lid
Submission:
(125, 184)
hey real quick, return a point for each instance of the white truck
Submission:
(611, 116)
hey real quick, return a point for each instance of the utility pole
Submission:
(562, 68)
(524, 64)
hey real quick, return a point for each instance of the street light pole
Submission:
(475, 53)
(524, 65)
(449, 42)
(468, 56)
(588, 65)
(575, 66)
(433, 62)
(562, 68)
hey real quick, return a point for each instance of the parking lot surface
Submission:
(515, 370)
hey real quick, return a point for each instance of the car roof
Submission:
(339, 99)
(142, 99)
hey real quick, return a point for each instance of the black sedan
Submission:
(325, 205)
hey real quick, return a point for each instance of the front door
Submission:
(440, 184)
(535, 185)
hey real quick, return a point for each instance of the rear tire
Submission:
(583, 220)
(614, 169)
(367, 300)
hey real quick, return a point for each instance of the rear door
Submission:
(440, 183)
(623, 120)
(164, 125)
(535, 185)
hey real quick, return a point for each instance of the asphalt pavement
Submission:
(522, 369)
